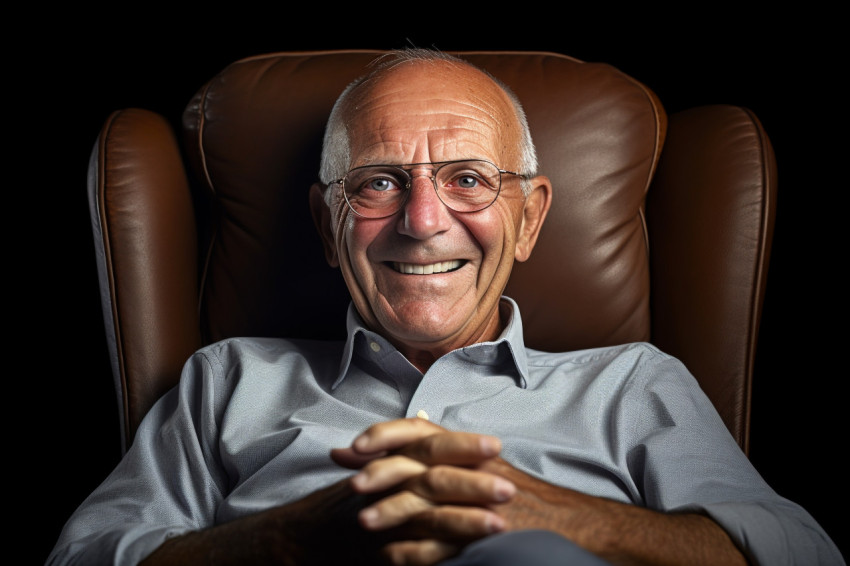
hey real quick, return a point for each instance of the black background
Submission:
(65, 79)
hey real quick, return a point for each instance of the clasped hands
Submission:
(439, 489)
(425, 493)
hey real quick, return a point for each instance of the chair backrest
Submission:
(660, 229)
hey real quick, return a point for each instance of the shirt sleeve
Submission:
(684, 459)
(169, 482)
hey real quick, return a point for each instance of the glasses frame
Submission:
(435, 167)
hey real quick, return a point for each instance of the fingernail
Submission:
(495, 523)
(359, 481)
(369, 516)
(503, 489)
(361, 442)
(490, 446)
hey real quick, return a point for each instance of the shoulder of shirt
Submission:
(635, 366)
(643, 350)
(266, 349)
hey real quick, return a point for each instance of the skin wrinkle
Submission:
(428, 103)
(422, 250)
(383, 107)
(405, 117)
(446, 147)
(356, 94)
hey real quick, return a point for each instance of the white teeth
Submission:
(417, 269)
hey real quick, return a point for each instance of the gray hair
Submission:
(336, 149)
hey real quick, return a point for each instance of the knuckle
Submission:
(435, 480)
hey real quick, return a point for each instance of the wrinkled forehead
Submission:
(455, 110)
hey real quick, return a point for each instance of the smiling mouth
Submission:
(427, 269)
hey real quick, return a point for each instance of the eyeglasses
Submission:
(378, 191)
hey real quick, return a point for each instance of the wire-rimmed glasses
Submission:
(378, 191)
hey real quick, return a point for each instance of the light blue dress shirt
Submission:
(253, 420)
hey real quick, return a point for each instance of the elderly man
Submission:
(432, 435)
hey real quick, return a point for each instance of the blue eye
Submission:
(380, 184)
(467, 182)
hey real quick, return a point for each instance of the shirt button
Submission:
(422, 414)
(375, 346)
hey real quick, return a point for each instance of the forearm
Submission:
(258, 539)
(633, 535)
(317, 530)
(622, 534)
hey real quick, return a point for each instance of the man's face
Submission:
(425, 114)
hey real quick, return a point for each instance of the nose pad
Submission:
(422, 176)
(424, 213)
(425, 183)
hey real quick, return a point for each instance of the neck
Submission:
(423, 355)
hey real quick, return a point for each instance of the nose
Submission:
(424, 214)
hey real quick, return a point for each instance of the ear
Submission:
(537, 205)
(322, 219)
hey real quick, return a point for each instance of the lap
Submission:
(529, 548)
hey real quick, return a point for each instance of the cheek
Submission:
(345, 239)
(495, 233)
(357, 237)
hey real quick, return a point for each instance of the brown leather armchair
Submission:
(660, 228)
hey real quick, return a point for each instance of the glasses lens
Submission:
(468, 186)
(375, 191)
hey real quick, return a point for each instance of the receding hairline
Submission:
(384, 65)
(336, 138)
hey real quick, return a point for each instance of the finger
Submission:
(419, 552)
(450, 484)
(458, 448)
(392, 511)
(348, 458)
(453, 524)
(414, 517)
(427, 442)
(440, 484)
(390, 435)
(385, 473)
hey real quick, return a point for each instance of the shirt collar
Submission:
(511, 339)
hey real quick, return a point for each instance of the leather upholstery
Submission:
(211, 236)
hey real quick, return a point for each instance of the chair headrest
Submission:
(254, 135)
